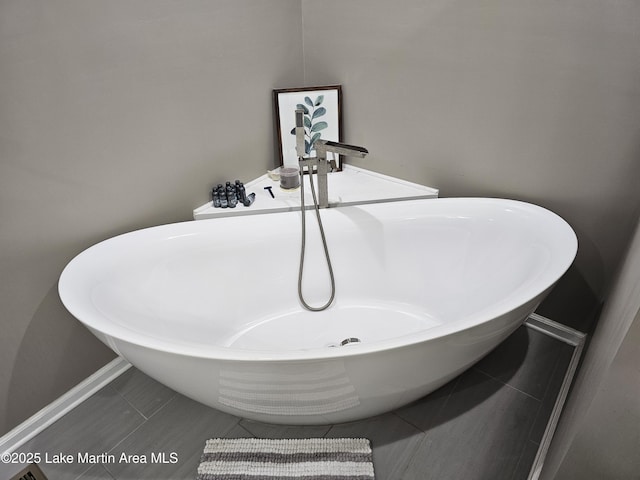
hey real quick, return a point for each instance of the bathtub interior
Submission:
(414, 268)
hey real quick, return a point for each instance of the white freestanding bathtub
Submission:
(210, 308)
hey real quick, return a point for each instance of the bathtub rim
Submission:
(222, 353)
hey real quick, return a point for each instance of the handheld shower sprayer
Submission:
(300, 143)
(322, 147)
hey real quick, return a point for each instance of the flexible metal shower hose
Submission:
(303, 246)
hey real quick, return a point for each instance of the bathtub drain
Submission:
(349, 340)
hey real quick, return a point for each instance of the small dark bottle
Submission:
(216, 199)
(242, 194)
(232, 199)
(249, 199)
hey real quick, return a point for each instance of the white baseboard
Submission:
(56, 409)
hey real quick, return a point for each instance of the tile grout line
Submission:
(533, 424)
(519, 462)
(556, 367)
(111, 477)
(156, 413)
(418, 448)
(549, 332)
(547, 328)
(444, 404)
(482, 372)
(84, 471)
(133, 406)
(239, 425)
(134, 430)
(424, 439)
(547, 436)
(145, 419)
(574, 338)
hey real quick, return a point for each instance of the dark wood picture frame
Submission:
(323, 118)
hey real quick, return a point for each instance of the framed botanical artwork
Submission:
(322, 119)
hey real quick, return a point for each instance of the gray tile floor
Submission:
(485, 424)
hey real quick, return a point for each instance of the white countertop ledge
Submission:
(351, 186)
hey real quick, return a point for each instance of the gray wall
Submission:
(533, 100)
(117, 115)
(607, 441)
(598, 435)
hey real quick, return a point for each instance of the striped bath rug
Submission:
(291, 459)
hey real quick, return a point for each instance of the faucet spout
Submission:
(322, 166)
(324, 146)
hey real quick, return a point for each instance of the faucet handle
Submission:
(300, 141)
